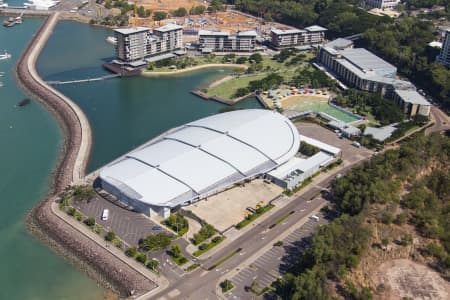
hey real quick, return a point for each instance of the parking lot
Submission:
(229, 207)
(349, 152)
(128, 225)
(272, 264)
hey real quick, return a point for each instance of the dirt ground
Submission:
(168, 5)
(405, 278)
(229, 207)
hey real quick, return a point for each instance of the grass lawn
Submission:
(228, 88)
(208, 246)
(254, 216)
(180, 260)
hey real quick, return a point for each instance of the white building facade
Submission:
(138, 43)
(364, 70)
(382, 4)
(286, 38)
(444, 56)
(219, 41)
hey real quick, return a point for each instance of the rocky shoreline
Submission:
(81, 251)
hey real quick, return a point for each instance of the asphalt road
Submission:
(201, 283)
(442, 121)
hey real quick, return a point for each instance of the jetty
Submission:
(105, 77)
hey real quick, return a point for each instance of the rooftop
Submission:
(168, 27)
(131, 30)
(381, 133)
(339, 44)
(367, 61)
(200, 157)
(286, 31)
(411, 96)
(315, 28)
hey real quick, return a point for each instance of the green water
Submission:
(123, 112)
(29, 145)
(322, 106)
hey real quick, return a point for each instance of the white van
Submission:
(105, 214)
(356, 144)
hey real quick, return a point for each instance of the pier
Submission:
(105, 77)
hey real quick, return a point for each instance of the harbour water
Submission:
(30, 141)
(123, 112)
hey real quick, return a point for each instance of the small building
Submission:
(380, 134)
(412, 103)
(347, 130)
(296, 170)
(220, 41)
(382, 4)
(288, 38)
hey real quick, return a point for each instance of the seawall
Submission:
(42, 221)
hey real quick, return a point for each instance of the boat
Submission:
(5, 55)
(112, 40)
(24, 102)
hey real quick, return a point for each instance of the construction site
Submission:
(230, 20)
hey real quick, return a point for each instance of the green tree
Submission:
(131, 252)
(180, 12)
(159, 15)
(256, 57)
(110, 236)
(197, 10)
(176, 250)
(90, 221)
(155, 242)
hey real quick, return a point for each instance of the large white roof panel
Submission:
(243, 157)
(197, 169)
(158, 153)
(156, 187)
(198, 158)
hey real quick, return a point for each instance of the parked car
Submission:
(156, 228)
(105, 214)
(315, 218)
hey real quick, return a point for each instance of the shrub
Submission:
(401, 219)
(90, 221)
(142, 258)
(71, 211)
(278, 244)
(131, 252)
(110, 236)
(152, 264)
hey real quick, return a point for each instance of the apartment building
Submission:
(444, 56)
(363, 70)
(138, 43)
(286, 38)
(220, 41)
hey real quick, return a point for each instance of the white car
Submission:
(105, 214)
(315, 218)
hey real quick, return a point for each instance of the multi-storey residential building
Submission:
(444, 56)
(362, 69)
(219, 41)
(382, 4)
(137, 43)
(285, 38)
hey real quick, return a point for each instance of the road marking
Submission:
(174, 293)
(203, 273)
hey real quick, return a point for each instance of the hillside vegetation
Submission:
(406, 190)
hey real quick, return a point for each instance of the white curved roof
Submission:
(203, 156)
